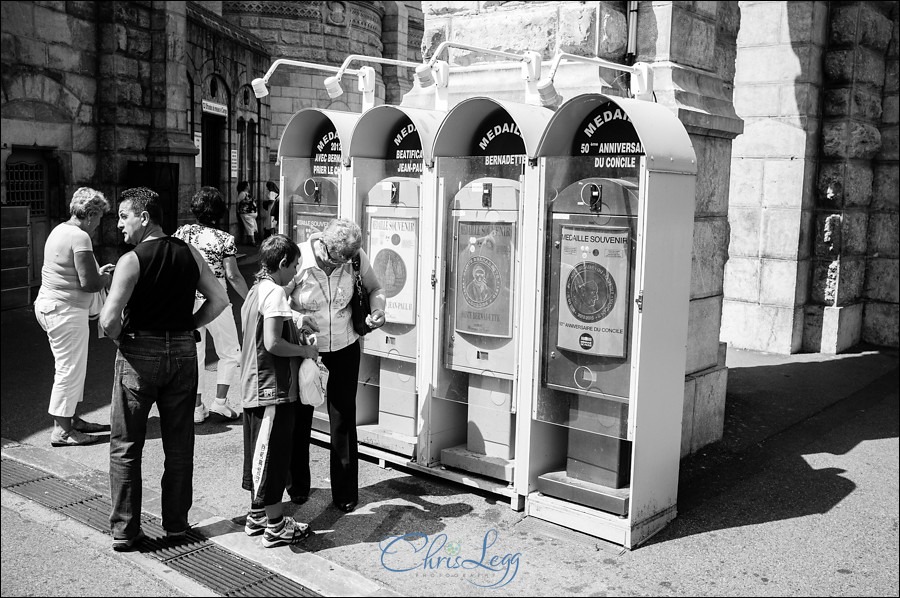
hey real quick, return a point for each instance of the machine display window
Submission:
(589, 298)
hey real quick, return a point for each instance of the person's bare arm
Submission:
(209, 287)
(234, 277)
(89, 277)
(128, 271)
(276, 345)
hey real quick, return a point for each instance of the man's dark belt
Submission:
(164, 333)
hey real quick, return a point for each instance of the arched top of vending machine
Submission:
(382, 129)
(312, 132)
(476, 123)
(587, 124)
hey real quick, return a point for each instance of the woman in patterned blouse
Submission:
(219, 251)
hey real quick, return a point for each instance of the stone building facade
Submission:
(792, 111)
(813, 260)
(115, 94)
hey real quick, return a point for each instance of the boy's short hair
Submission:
(274, 249)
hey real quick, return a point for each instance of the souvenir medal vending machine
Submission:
(315, 185)
(617, 231)
(392, 192)
(312, 166)
(481, 152)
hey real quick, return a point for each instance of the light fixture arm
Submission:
(362, 58)
(259, 85)
(526, 58)
(641, 77)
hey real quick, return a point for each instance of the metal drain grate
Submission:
(13, 473)
(193, 555)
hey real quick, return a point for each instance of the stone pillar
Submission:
(692, 48)
(859, 34)
(777, 92)
(881, 315)
(170, 140)
(402, 29)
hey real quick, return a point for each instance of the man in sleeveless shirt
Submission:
(149, 313)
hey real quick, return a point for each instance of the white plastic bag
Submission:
(312, 388)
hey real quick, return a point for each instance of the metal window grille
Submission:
(26, 185)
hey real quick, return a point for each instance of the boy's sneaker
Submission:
(200, 414)
(289, 532)
(255, 525)
(223, 409)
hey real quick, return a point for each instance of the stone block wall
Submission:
(845, 270)
(583, 28)
(778, 86)
(226, 58)
(881, 315)
(326, 33)
(49, 55)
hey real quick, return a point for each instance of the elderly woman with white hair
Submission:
(322, 289)
(69, 277)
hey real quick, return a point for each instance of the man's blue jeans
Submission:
(159, 369)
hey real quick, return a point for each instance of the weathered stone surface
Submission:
(837, 101)
(854, 66)
(745, 226)
(881, 324)
(830, 184)
(52, 26)
(762, 100)
(838, 282)
(858, 184)
(886, 181)
(693, 39)
(890, 143)
(742, 279)
(762, 23)
(436, 33)
(854, 230)
(883, 235)
(20, 13)
(710, 252)
(713, 170)
(777, 137)
(577, 28)
(709, 408)
(509, 31)
(891, 113)
(804, 22)
(746, 182)
(780, 282)
(874, 29)
(883, 279)
(437, 8)
(687, 415)
(804, 101)
(843, 139)
(783, 183)
(841, 328)
(613, 32)
(705, 316)
(762, 327)
(780, 233)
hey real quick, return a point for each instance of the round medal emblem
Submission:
(391, 271)
(481, 282)
(590, 292)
